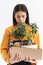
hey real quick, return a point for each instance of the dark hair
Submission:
(20, 7)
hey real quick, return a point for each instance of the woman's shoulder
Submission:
(10, 28)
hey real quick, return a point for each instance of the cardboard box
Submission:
(24, 51)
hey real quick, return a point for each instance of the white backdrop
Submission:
(35, 8)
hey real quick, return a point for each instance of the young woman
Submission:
(20, 16)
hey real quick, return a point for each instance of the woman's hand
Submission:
(27, 59)
(17, 58)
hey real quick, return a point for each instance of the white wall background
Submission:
(35, 8)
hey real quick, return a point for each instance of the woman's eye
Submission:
(23, 16)
(18, 16)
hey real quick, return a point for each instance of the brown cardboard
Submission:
(29, 52)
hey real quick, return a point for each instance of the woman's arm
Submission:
(4, 46)
(36, 39)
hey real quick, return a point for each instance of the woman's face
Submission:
(20, 17)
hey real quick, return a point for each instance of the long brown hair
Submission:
(20, 7)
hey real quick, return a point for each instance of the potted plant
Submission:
(20, 31)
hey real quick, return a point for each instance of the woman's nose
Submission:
(20, 18)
